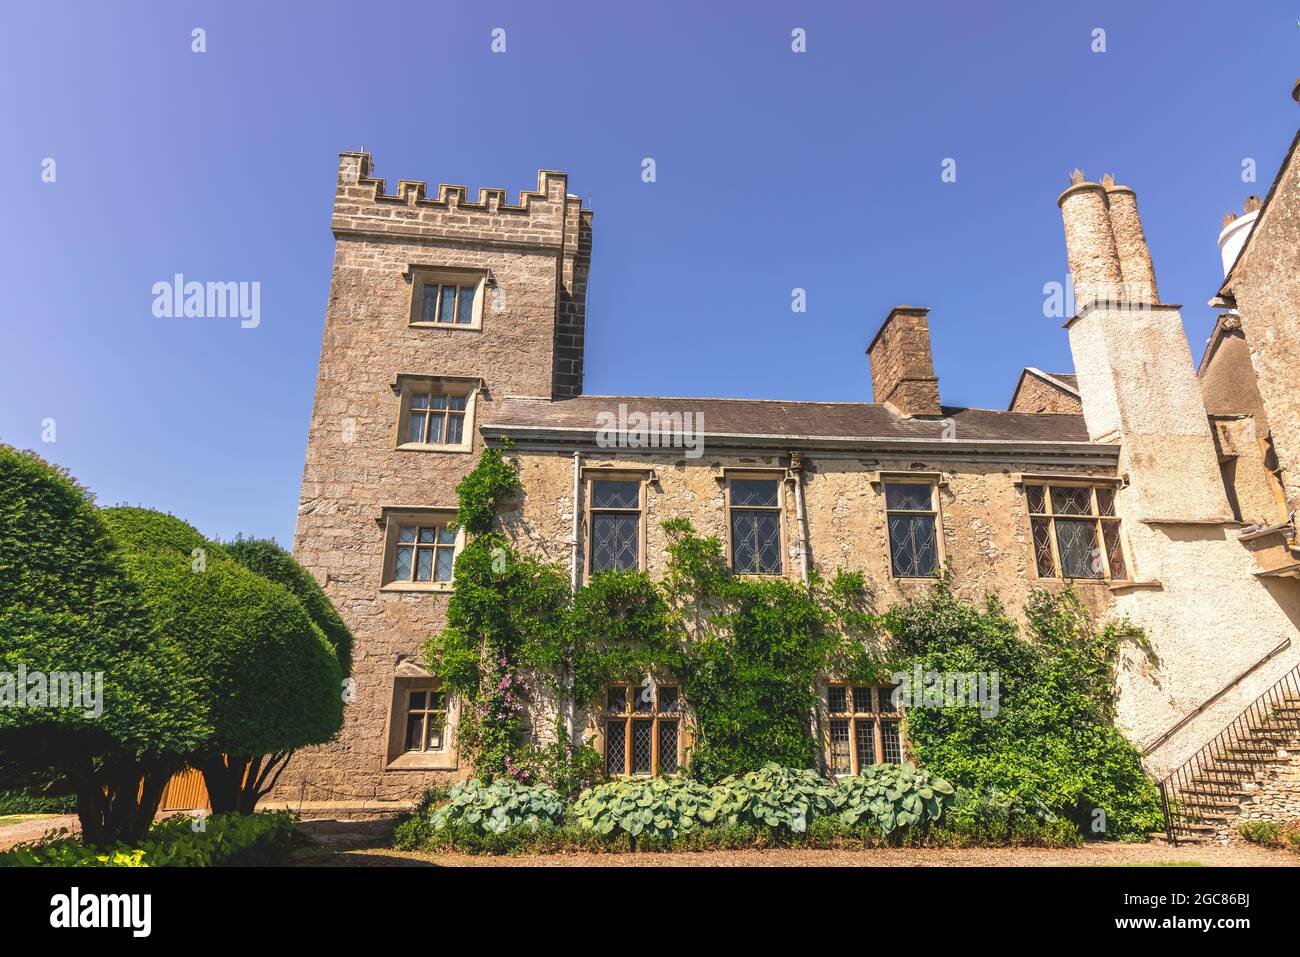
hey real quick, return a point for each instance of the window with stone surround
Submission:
(862, 727)
(447, 298)
(426, 720)
(421, 723)
(436, 413)
(913, 522)
(1075, 531)
(614, 506)
(754, 524)
(420, 548)
(643, 729)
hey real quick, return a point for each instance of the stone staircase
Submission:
(1250, 771)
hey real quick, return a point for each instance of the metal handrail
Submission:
(1211, 780)
(1182, 722)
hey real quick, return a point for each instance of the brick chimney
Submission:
(902, 367)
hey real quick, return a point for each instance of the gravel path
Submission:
(1110, 853)
(33, 827)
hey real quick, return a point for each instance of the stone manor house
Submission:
(1166, 490)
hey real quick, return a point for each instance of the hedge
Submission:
(226, 840)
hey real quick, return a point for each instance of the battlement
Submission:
(363, 204)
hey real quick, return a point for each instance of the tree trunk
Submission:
(117, 802)
(237, 782)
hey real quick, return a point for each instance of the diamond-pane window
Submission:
(913, 529)
(754, 506)
(615, 747)
(1075, 532)
(615, 525)
(667, 747)
(642, 729)
(642, 747)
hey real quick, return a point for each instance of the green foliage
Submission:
(33, 802)
(498, 807)
(225, 840)
(268, 680)
(1053, 738)
(775, 797)
(995, 818)
(272, 562)
(655, 807)
(481, 492)
(892, 796)
(749, 653)
(1272, 834)
(67, 604)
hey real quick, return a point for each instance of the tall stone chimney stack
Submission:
(902, 366)
(1090, 241)
(1130, 243)
(1137, 380)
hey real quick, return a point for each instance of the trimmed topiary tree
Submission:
(68, 606)
(266, 675)
(250, 780)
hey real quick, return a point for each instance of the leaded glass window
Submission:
(863, 727)
(424, 553)
(643, 729)
(1075, 532)
(447, 304)
(435, 418)
(755, 515)
(913, 529)
(615, 525)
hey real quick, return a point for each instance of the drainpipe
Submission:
(801, 518)
(577, 474)
(570, 717)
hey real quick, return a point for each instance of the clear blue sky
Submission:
(775, 171)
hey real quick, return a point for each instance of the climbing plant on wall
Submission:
(749, 653)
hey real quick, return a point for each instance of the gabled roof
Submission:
(1066, 382)
(1263, 214)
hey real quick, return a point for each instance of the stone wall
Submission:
(1266, 285)
(535, 254)
(1035, 395)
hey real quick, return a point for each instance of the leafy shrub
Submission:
(496, 808)
(413, 830)
(775, 797)
(226, 840)
(657, 808)
(990, 817)
(1053, 737)
(32, 802)
(892, 796)
(1271, 834)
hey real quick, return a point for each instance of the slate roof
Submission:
(806, 421)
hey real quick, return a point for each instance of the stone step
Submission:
(1231, 794)
(1203, 804)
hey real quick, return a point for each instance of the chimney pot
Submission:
(902, 366)
(1252, 204)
